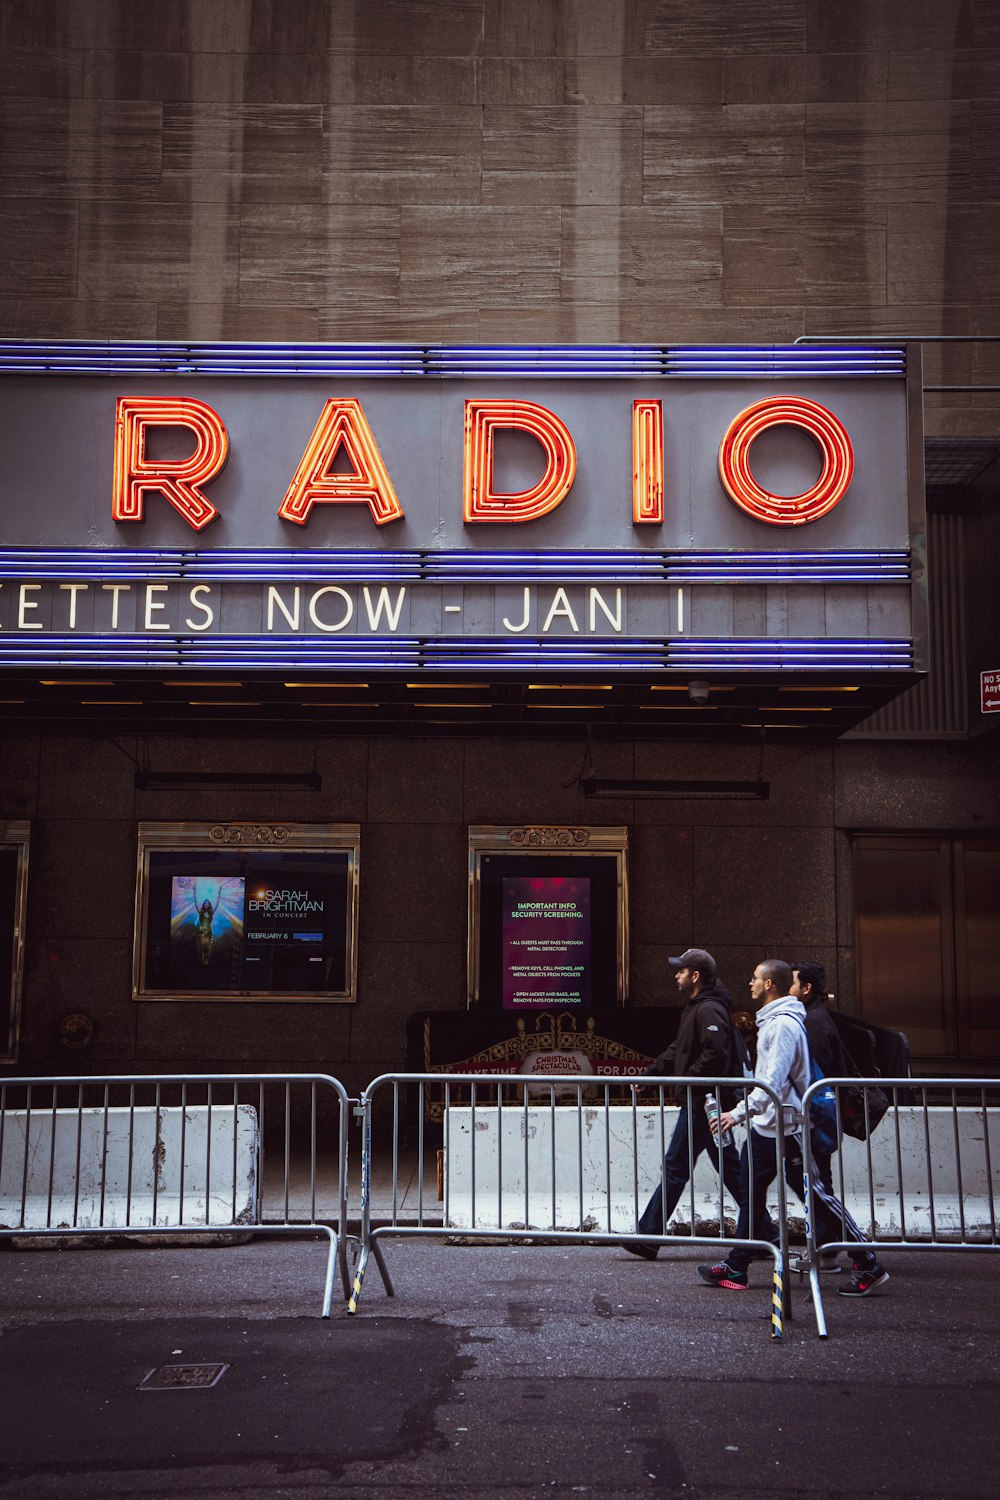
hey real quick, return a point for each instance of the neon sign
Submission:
(343, 430)
(178, 480)
(786, 510)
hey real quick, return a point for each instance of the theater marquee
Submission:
(648, 510)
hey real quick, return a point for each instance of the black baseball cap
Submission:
(695, 958)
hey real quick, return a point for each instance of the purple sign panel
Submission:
(546, 940)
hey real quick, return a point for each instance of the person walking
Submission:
(783, 1064)
(707, 1046)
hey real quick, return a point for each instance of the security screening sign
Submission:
(497, 509)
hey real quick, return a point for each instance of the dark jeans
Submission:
(832, 1220)
(676, 1165)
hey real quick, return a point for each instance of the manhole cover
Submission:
(183, 1377)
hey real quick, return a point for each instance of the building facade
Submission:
(472, 173)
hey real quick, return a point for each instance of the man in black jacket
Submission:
(706, 1046)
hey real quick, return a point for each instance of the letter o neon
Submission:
(786, 510)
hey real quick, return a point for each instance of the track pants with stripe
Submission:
(758, 1169)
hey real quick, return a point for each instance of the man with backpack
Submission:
(783, 1063)
(707, 1046)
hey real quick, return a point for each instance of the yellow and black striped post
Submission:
(359, 1276)
(777, 1298)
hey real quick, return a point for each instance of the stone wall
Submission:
(515, 170)
(747, 880)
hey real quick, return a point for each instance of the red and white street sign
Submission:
(989, 684)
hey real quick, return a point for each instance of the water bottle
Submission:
(712, 1113)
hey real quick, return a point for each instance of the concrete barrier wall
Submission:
(604, 1171)
(61, 1183)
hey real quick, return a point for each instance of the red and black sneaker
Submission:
(723, 1275)
(864, 1280)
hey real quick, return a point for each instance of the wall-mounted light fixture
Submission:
(172, 781)
(678, 791)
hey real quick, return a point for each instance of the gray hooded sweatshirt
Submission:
(783, 1063)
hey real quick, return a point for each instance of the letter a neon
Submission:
(480, 501)
(342, 424)
(177, 480)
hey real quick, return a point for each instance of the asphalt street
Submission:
(495, 1371)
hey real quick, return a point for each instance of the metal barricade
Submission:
(565, 1159)
(927, 1177)
(177, 1155)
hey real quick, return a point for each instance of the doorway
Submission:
(928, 940)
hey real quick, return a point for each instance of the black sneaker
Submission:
(723, 1275)
(864, 1280)
(644, 1252)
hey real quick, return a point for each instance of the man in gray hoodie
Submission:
(783, 1064)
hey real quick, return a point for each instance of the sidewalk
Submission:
(519, 1372)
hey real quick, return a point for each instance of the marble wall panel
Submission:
(562, 28)
(943, 75)
(536, 781)
(315, 254)
(19, 784)
(91, 975)
(427, 28)
(389, 321)
(301, 29)
(397, 979)
(642, 255)
(801, 778)
(523, 81)
(415, 781)
(651, 981)
(717, 26)
(888, 153)
(25, 317)
(743, 154)
(553, 324)
(758, 887)
(48, 72)
(230, 1035)
(464, 259)
(414, 883)
(843, 852)
(562, 155)
(665, 322)
(277, 323)
(158, 254)
(935, 254)
(985, 154)
(394, 154)
(89, 148)
(82, 878)
(270, 153)
(860, 25)
(661, 863)
(805, 77)
(899, 786)
(846, 987)
(168, 77)
(87, 778)
(649, 80)
(985, 28)
(808, 259)
(402, 79)
(169, 26)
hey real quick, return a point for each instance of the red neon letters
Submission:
(342, 425)
(647, 462)
(177, 479)
(786, 510)
(480, 501)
